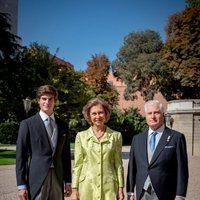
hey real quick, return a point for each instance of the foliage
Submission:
(8, 132)
(9, 43)
(192, 3)
(96, 76)
(73, 95)
(182, 55)
(129, 123)
(20, 77)
(7, 157)
(138, 64)
(32, 68)
(9, 49)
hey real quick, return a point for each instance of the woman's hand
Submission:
(120, 194)
(75, 194)
(131, 197)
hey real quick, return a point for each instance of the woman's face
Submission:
(97, 115)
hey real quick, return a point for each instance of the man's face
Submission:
(47, 103)
(154, 117)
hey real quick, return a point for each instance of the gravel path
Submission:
(8, 189)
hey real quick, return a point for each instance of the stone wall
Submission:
(185, 116)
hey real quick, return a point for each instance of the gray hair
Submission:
(153, 103)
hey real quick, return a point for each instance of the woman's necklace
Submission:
(99, 133)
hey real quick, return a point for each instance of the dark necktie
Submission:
(152, 141)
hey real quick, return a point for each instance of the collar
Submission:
(44, 116)
(105, 138)
(159, 130)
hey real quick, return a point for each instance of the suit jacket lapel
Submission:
(165, 138)
(144, 144)
(41, 130)
(61, 132)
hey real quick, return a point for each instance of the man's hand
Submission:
(179, 198)
(131, 197)
(67, 190)
(23, 194)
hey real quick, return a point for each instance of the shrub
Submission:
(8, 132)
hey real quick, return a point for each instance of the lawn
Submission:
(7, 157)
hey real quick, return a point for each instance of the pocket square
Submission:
(169, 147)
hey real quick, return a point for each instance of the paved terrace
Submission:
(8, 189)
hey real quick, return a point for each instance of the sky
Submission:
(75, 30)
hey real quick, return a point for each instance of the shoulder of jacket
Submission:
(83, 133)
(174, 132)
(30, 119)
(113, 132)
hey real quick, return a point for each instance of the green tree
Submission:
(192, 3)
(182, 55)
(138, 64)
(128, 122)
(96, 75)
(32, 68)
(73, 95)
(20, 77)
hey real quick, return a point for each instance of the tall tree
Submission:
(182, 54)
(138, 63)
(19, 78)
(9, 43)
(96, 75)
(9, 49)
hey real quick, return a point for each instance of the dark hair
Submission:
(94, 102)
(47, 89)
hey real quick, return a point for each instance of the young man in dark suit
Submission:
(43, 161)
(158, 164)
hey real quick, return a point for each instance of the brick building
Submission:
(138, 103)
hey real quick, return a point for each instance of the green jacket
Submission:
(98, 167)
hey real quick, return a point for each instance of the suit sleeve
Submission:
(66, 158)
(131, 174)
(22, 154)
(182, 167)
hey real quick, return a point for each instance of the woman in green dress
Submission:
(98, 168)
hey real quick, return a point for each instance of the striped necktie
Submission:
(152, 141)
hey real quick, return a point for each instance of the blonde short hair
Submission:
(94, 102)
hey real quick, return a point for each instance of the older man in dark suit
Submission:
(43, 162)
(158, 164)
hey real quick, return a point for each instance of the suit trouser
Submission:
(51, 189)
(149, 194)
